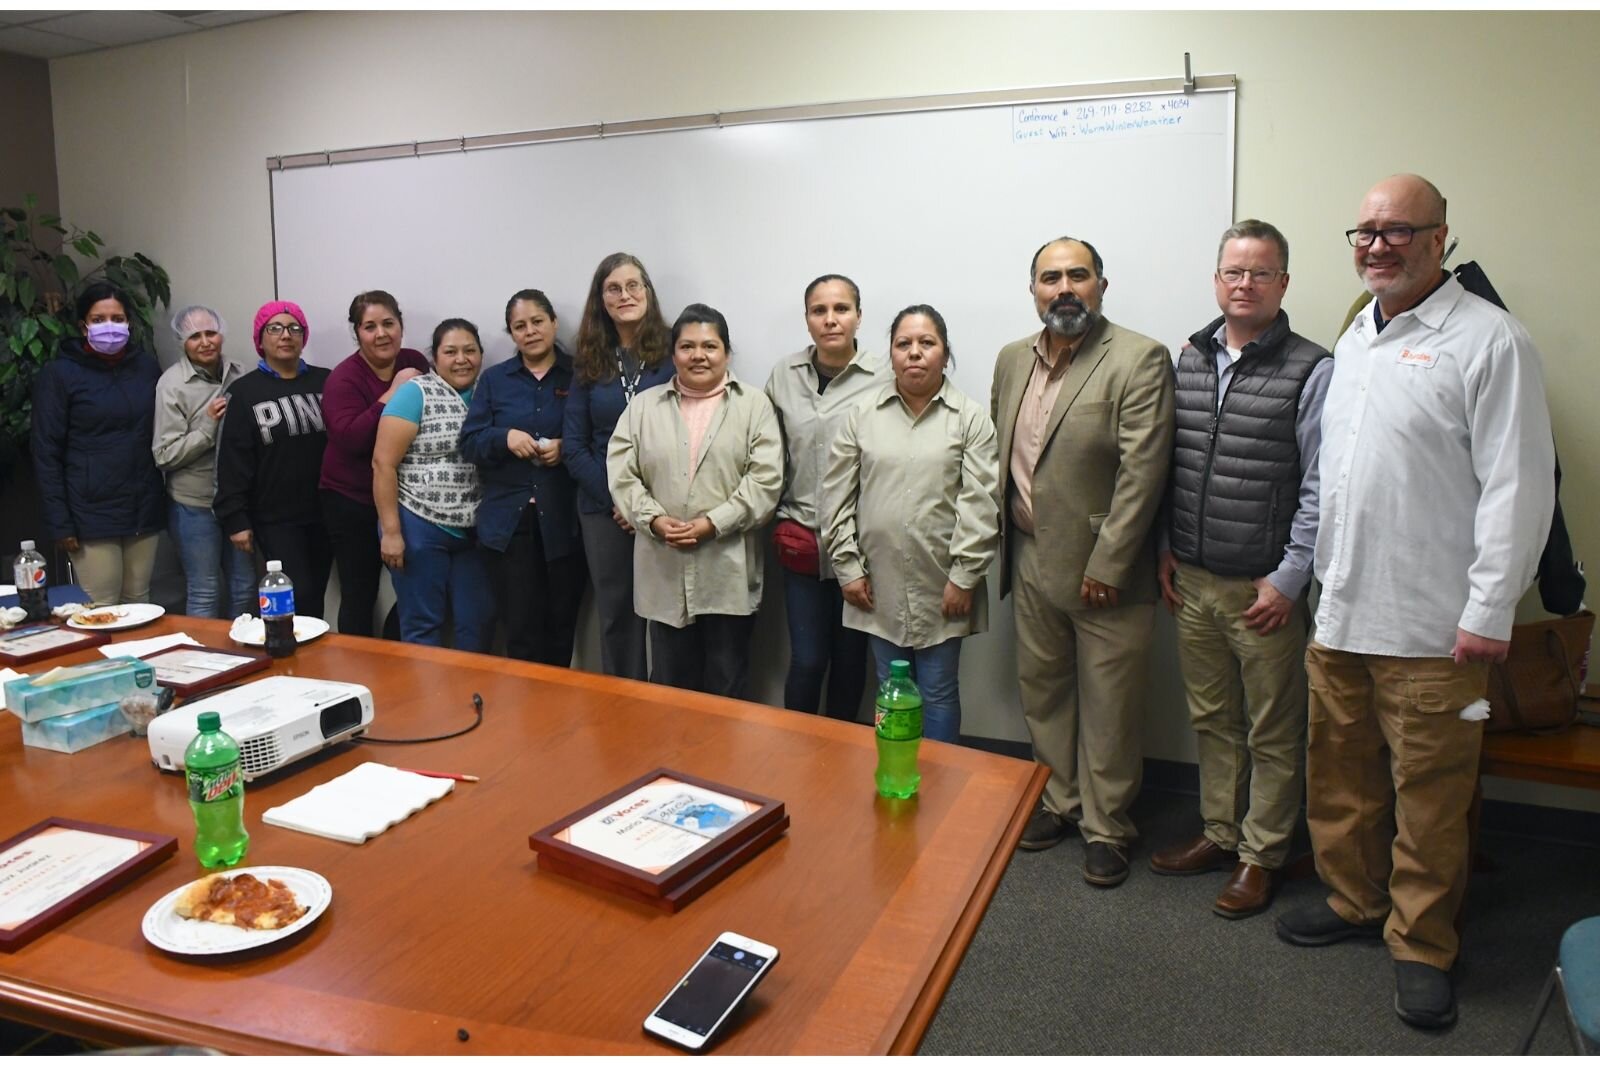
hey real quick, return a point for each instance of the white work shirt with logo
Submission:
(1438, 478)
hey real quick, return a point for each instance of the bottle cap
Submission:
(27, 545)
(209, 721)
(274, 566)
(899, 668)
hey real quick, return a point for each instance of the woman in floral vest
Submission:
(427, 498)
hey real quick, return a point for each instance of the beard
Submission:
(1068, 317)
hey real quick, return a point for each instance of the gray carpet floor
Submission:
(1059, 967)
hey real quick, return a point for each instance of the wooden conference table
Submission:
(444, 936)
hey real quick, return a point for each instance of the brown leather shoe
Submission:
(1249, 891)
(1197, 856)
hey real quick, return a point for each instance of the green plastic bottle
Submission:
(898, 721)
(216, 794)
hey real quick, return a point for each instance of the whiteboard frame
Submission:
(893, 105)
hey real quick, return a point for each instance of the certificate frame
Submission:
(158, 847)
(82, 639)
(737, 843)
(255, 663)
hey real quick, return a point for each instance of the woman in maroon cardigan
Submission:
(352, 403)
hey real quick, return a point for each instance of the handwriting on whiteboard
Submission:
(1094, 119)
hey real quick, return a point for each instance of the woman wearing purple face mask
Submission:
(104, 499)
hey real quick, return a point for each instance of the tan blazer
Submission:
(1103, 468)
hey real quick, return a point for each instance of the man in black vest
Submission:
(1241, 529)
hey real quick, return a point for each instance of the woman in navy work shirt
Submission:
(622, 350)
(528, 517)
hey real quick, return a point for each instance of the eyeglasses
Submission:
(1236, 275)
(632, 288)
(1393, 236)
(278, 329)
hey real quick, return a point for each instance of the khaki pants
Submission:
(1082, 675)
(1390, 773)
(114, 570)
(1247, 702)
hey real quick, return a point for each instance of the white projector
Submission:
(275, 720)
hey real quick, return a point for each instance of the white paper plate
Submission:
(254, 633)
(185, 936)
(128, 616)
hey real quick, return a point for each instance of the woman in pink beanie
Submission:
(269, 456)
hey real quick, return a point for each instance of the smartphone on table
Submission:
(706, 996)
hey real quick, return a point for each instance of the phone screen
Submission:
(707, 991)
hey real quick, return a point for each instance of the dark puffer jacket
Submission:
(93, 422)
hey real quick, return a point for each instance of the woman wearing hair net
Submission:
(190, 399)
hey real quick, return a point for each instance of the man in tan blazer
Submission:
(1084, 411)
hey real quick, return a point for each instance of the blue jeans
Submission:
(204, 550)
(821, 644)
(937, 672)
(443, 576)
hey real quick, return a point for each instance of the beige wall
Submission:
(28, 161)
(161, 146)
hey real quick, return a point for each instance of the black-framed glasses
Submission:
(1236, 275)
(277, 329)
(1393, 236)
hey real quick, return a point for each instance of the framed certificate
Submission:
(659, 832)
(53, 870)
(27, 643)
(190, 668)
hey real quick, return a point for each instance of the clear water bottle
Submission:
(897, 718)
(216, 794)
(33, 586)
(277, 610)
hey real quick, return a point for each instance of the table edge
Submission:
(915, 1027)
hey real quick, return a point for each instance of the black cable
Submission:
(477, 704)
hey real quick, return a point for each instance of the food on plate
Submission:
(240, 899)
(97, 618)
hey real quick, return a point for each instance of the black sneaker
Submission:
(1044, 830)
(1317, 924)
(1105, 865)
(1423, 996)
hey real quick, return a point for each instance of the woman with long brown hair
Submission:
(622, 350)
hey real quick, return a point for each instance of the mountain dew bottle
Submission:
(898, 721)
(216, 794)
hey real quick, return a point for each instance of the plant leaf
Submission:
(25, 293)
(29, 329)
(66, 269)
(97, 239)
(36, 348)
(83, 247)
(53, 325)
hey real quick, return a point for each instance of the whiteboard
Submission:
(944, 207)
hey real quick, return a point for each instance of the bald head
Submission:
(1417, 191)
(1403, 271)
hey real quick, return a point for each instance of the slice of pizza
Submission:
(241, 899)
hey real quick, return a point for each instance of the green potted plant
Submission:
(39, 279)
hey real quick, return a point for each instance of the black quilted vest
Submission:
(1236, 473)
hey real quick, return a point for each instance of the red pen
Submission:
(438, 773)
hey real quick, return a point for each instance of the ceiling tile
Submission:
(26, 41)
(17, 18)
(111, 28)
(227, 18)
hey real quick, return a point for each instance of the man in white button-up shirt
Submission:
(1438, 483)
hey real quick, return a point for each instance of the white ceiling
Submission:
(52, 34)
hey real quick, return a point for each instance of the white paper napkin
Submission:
(140, 648)
(360, 804)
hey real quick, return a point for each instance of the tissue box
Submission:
(78, 688)
(76, 731)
